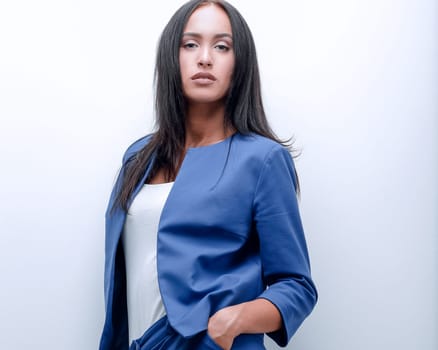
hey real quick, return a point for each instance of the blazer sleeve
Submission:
(283, 250)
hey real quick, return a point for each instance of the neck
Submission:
(205, 124)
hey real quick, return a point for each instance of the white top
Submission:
(139, 239)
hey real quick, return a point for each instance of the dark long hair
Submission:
(243, 107)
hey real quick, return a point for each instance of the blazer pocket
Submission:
(210, 342)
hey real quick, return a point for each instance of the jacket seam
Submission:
(262, 171)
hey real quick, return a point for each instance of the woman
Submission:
(204, 243)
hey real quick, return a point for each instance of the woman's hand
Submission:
(223, 326)
(256, 316)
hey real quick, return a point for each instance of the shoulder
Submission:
(266, 158)
(136, 146)
(260, 148)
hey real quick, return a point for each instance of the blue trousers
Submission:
(161, 336)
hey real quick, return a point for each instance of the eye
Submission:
(189, 45)
(222, 47)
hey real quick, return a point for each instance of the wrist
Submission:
(238, 325)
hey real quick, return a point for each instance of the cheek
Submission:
(231, 64)
(182, 66)
(230, 70)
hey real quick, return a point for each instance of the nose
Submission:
(205, 59)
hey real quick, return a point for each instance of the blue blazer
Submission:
(230, 232)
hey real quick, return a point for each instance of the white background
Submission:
(356, 83)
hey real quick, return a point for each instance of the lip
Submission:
(203, 76)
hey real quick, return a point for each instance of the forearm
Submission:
(258, 316)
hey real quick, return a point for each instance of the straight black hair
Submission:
(243, 106)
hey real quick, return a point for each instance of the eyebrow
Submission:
(216, 36)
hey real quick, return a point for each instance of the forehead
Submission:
(208, 19)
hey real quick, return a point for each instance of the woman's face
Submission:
(206, 55)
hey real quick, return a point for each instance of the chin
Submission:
(205, 98)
